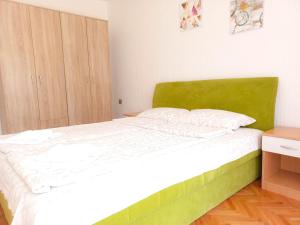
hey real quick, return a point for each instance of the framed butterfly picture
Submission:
(190, 14)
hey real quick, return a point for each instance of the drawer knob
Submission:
(289, 148)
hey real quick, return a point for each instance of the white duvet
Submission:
(108, 166)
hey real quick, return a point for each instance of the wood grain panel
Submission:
(97, 33)
(284, 132)
(49, 63)
(18, 80)
(277, 179)
(290, 164)
(77, 73)
(271, 164)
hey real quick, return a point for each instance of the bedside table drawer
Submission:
(281, 146)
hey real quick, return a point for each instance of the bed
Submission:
(187, 198)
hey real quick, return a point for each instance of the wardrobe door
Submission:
(49, 63)
(18, 80)
(97, 33)
(77, 68)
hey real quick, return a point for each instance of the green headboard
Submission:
(255, 97)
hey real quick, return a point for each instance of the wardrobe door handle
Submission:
(40, 79)
(32, 79)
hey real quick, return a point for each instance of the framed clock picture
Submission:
(246, 15)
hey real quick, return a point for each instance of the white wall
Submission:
(91, 8)
(147, 47)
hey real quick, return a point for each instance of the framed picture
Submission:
(190, 14)
(246, 15)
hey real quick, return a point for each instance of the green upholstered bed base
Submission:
(182, 203)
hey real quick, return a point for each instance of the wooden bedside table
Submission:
(281, 161)
(132, 114)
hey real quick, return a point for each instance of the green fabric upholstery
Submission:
(254, 97)
(183, 203)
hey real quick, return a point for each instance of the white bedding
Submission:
(141, 162)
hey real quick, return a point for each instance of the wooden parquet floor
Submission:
(2, 219)
(250, 206)
(254, 206)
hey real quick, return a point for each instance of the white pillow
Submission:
(218, 118)
(169, 114)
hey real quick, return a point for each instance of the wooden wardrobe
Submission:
(54, 68)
